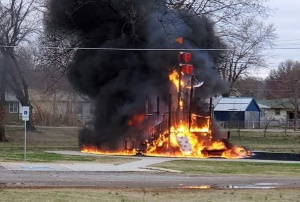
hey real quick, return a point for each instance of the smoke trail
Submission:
(119, 80)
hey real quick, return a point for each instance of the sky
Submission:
(286, 20)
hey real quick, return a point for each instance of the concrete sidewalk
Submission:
(177, 158)
(141, 164)
(127, 167)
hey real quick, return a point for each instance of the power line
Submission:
(127, 49)
(288, 40)
(264, 90)
(149, 49)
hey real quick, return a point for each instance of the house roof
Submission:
(9, 97)
(233, 104)
(278, 103)
(60, 96)
(261, 106)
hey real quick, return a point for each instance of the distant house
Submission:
(60, 108)
(280, 109)
(264, 111)
(13, 107)
(242, 112)
(57, 108)
(279, 112)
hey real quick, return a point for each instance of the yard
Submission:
(65, 138)
(132, 195)
(276, 140)
(47, 139)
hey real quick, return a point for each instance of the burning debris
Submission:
(177, 133)
(126, 122)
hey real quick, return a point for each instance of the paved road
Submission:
(137, 180)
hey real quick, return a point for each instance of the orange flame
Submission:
(182, 140)
(95, 150)
(174, 77)
(136, 120)
(198, 187)
(182, 143)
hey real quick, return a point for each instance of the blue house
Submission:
(241, 112)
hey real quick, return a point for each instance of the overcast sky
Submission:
(286, 20)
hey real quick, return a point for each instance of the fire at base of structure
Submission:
(184, 131)
(176, 134)
(180, 142)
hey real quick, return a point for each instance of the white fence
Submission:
(290, 124)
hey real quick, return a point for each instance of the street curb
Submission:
(162, 169)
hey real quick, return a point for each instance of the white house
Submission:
(277, 112)
(60, 107)
(281, 109)
(13, 107)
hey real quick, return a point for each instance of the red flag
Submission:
(179, 40)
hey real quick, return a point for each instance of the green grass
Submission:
(200, 167)
(48, 139)
(135, 195)
(38, 155)
(35, 155)
(273, 142)
(44, 137)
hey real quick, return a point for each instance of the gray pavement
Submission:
(142, 164)
(34, 179)
(138, 165)
(135, 174)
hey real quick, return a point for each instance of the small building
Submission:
(13, 106)
(237, 112)
(280, 109)
(57, 108)
(278, 112)
(60, 108)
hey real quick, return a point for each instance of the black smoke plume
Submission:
(118, 80)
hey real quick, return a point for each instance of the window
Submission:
(80, 108)
(277, 112)
(13, 107)
(92, 108)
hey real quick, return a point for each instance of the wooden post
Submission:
(157, 106)
(54, 109)
(170, 112)
(191, 101)
(146, 106)
(169, 120)
(179, 95)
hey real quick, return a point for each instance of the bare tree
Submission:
(18, 23)
(246, 45)
(53, 61)
(223, 11)
(283, 85)
(267, 121)
(236, 23)
(250, 87)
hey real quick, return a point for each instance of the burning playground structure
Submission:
(182, 128)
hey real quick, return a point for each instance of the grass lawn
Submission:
(132, 195)
(202, 167)
(64, 138)
(47, 139)
(273, 142)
